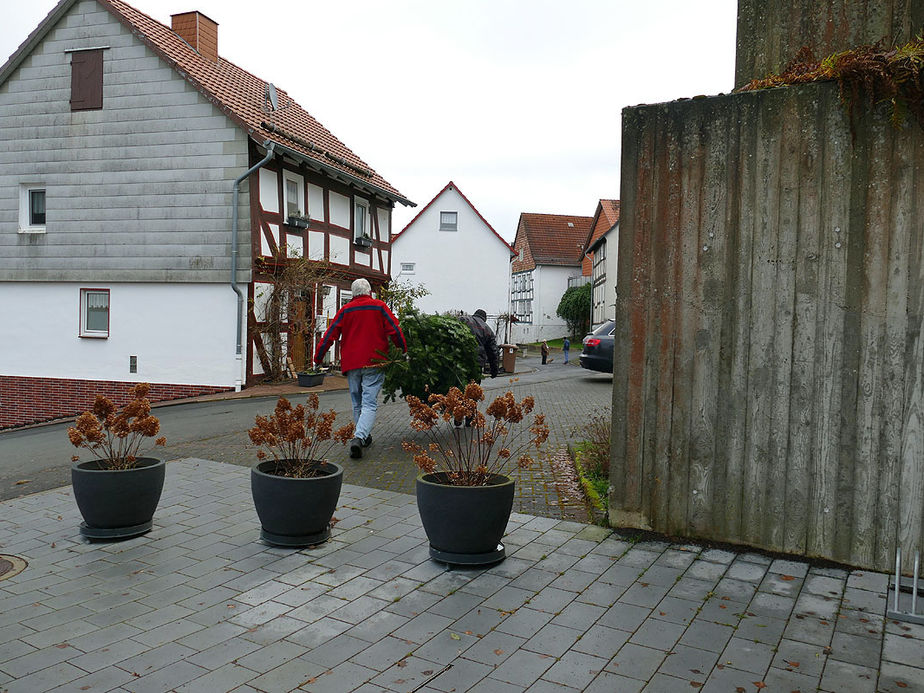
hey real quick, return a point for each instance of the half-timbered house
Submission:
(150, 191)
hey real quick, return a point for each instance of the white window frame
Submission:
(449, 226)
(84, 306)
(408, 267)
(366, 228)
(300, 202)
(25, 208)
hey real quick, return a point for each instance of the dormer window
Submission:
(449, 221)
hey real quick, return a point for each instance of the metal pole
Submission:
(914, 585)
(898, 575)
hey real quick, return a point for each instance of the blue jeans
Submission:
(365, 385)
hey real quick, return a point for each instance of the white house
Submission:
(550, 248)
(149, 192)
(451, 249)
(600, 261)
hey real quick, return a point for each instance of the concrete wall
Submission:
(771, 32)
(463, 270)
(137, 191)
(770, 315)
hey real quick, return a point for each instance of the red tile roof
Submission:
(555, 239)
(450, 186)
(239, 94)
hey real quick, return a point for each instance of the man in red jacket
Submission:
(364, 326)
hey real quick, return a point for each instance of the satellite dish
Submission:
(271, 96)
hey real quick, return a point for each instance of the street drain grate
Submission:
(10, 566)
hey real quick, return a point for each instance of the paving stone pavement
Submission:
(201, 604)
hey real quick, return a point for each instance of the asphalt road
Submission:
(39, 458)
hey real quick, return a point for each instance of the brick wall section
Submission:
(32, 400)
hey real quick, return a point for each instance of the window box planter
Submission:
(363, 242)
(297, 222)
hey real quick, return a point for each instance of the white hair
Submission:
(361, 287)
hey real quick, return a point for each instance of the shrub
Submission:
(115, 436)
(298, 438)
(441, 354)
(594, 457)
(574, 308)
(470, 446)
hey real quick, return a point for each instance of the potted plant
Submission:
(298, 220)
(463, 495)
(118, 492)
(295, 493)
(310, 378)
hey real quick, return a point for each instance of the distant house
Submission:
(600, 261)
(124, 146)
(550, 249)
(451, 249)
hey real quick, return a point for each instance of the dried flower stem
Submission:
(468, 445)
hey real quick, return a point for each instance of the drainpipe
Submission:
(234, 285)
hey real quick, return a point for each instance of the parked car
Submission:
(597, 354)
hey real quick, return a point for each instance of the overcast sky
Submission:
(517, 101)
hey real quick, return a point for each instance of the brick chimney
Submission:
(198, 31)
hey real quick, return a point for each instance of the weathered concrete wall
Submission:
(770, 316)
(771, 32)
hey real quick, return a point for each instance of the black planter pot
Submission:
(295, 512)
(309, 379)
(465, 523)
(117, 503)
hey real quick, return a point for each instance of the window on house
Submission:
(94, 312)
(449, 221)
(407, 267)
(361, 219)
(293, 194)
(87, 80)
(32, 208)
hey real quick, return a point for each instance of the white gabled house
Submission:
(451, 250)
(550, 249)
(124, 146)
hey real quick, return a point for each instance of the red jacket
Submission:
(363, 326)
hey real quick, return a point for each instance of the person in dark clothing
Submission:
(484, 335)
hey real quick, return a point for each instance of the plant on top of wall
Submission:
(868, 73)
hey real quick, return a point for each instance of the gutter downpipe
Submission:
(238, 384)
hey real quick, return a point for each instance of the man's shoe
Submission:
(356, 448)
(368, 441)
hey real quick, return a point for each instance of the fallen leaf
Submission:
(722, 606)
(23, 481)
(739, 689)
(824, 623)
(53, 545)
(901, 684)
(455, 637)
(498, 652)
(696, 684)
(662, 613)
(793, 664)
(759, 684)
(726, 599)
(62, 645)
(402, 663)
(427, 672)
(787, 577)
(311, 680)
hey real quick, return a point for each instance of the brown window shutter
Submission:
(86, 80)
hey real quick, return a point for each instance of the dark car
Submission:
(598, 348)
